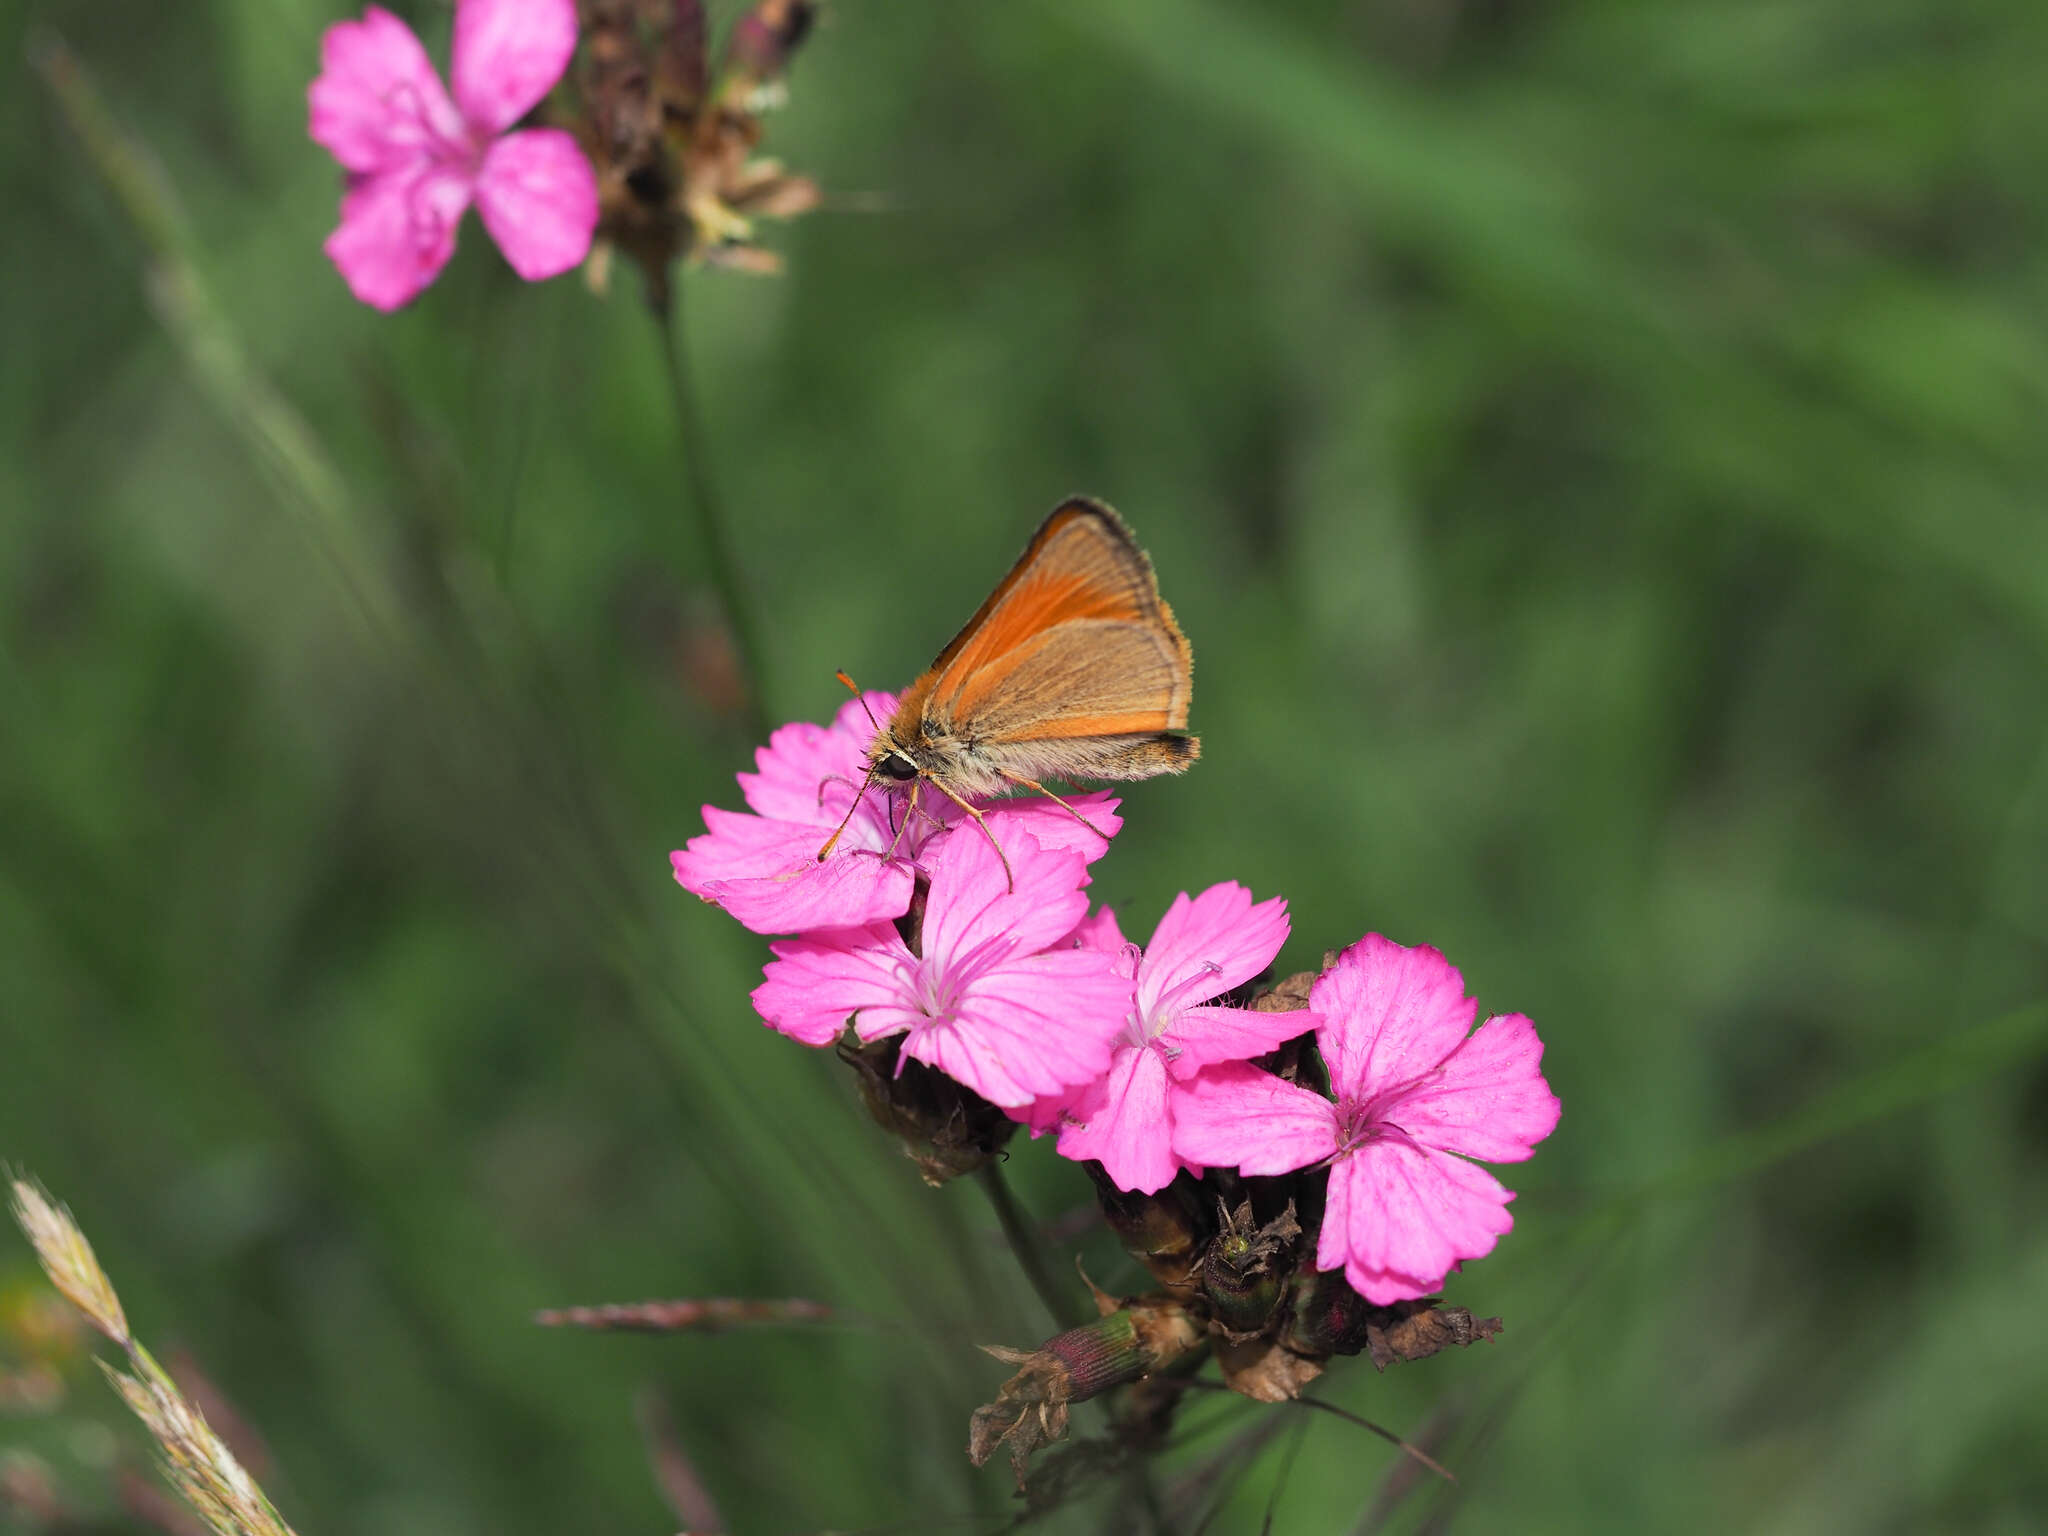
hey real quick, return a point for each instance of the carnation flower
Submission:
(1416, 1096)
(1203, 947)
(764, 868)
(988, 997)
(416, 159)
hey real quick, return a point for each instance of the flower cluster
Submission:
(994, 994)
(673, 131)
(973, 945)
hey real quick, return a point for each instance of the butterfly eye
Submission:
(898, 767)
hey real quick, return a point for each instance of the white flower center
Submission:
(1143, 1026)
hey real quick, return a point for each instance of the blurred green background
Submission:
(1597, 452)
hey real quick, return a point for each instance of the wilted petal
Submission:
(377, 102)
(816, 982)
(1488, 1100)
(1390, 1014)
(398, 231)
(538, 198)
(1239, 1117)
(1128, 1127)
(508, 53)
(683, 59)
(761, 190)
(1399, 1217)
(1208, 1037)
(1220, 928)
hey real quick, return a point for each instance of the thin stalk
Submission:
(1025, 1243)
(279, 439)
(706, 507)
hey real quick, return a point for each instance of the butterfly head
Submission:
(896, 765)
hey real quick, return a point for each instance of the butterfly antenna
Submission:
(831, 841)
(1018, 778)
(1009, 875)
(854, 688)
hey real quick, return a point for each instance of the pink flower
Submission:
(989, 1000)
(1204, 946)
(415, 159)
(1412, 1089)
(764, 868)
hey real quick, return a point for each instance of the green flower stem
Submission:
(1025, 1243)
(705, 506)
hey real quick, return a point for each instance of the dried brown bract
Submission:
(673, 138)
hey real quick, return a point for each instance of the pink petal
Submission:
(815, 983)
(740, 847)
(976, 900)
(1207, 1037)
(1050, 825)
(1220, 928)
(1026, 1029)
(801, 759)
(1399, 1217)
(766, 874)
(1098, 931)
(398, 231)
(508, 53)
(1390, 1014)
(1238, 1117)
(377, 102)
(1488, 1100)
(1049, 1111)
(538, 198)
(1128, 1128)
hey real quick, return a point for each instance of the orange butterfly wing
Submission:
(1075, 642)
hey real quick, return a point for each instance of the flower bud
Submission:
(1245, 1271)
(1164, 1232)
(762, 42)
(1120, 1347)
(947, 1129)
(1330, 1318)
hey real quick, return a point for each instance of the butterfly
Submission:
(1073, 669)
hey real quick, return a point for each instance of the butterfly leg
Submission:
(1009, 876)
(910, 809)
(831, 841)
(1018, 778)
